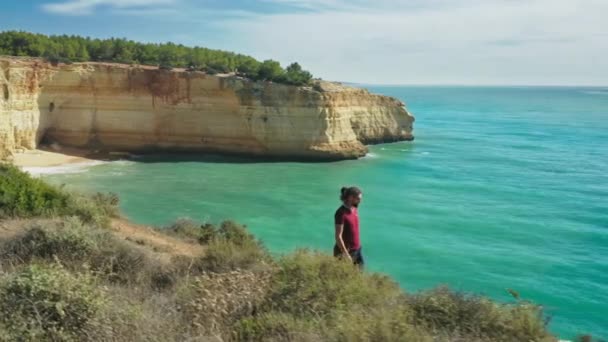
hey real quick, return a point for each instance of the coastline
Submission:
(181, 111)
(42, 161)
(46, 158)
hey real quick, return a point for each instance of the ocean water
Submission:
(502, 188)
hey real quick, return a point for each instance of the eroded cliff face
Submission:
(116, 107)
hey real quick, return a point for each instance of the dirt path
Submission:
(157, 241)
(164, 246)
(10, 228)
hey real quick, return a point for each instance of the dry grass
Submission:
(303, 296)
(79, 278)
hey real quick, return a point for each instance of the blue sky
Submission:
(521, 42)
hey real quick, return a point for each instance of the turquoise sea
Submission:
(504, 187)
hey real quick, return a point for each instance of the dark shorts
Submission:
(355, 254)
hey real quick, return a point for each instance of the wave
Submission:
(122, 162)
(37, 171)
(595, 92)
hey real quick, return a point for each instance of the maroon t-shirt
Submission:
(350, 220)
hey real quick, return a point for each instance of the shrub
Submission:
(392, 323)
(190, 230)
(277, 326)
(314, 297)
(457, 314)
(270, 70)
(211, 71)
(165, 66)
(126, 264)
(231, 247)
(313, 284)
(80, 247)
(24, 196)
(224, 255)
(48, 303)
(136, 315)
(213, 302)
(235, 233)
(67, 240)
(229, 231)
(376, 324)
(296, 76)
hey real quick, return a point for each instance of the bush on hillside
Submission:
(22, 196)
(47, 303)
(228, 247)
(392, 323)
(82, 247)
(304, 296)
(315, 297)
(229, 231)
(277, 326)
(374, 324)
(222, 255)
(235, 290)
(97, 208)
(296, 76)
(213, 302)
(67, 240)
(313, 284)
(232, 248)
(190, 230)
(457, 314)
(235, 233)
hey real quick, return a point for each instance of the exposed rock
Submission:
(111, 107)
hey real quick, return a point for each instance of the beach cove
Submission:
(503, 188)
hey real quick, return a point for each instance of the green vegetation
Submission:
(48, 303)
(328, 300)
(63, 278)
(233, 248)
(23, 196)
(67, 49)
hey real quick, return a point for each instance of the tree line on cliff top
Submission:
(67, 49)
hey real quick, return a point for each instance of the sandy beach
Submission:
(45, 158)
(40, 162)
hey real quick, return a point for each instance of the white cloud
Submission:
(438, 41)
(391, 41)
(84, 7)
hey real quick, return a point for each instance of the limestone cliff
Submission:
(139, 109)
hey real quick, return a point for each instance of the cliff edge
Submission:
(117, 107)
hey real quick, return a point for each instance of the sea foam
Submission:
(62, 169)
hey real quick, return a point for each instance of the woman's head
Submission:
(351, 196)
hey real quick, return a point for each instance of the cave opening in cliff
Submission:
(5, 92)
(51, 107)
(46, 141)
